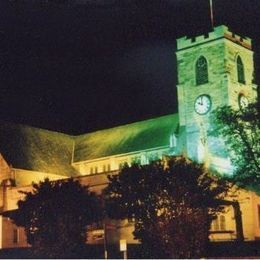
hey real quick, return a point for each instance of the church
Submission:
(214, 69)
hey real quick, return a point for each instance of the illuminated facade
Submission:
(213, 70)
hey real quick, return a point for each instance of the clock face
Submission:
(202, 104)
(242, 101)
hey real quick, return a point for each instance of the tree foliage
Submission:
(240, 130)
(172, 203)
(55, 216)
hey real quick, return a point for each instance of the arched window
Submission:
(222, 223)
(240, 70)
(215, 225)
(173, 141)
(201, 71)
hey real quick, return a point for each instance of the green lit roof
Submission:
(128, 138)
(35, 149)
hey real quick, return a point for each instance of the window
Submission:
(144, 159)
(122, 165)
(136, 160)
(96, 169)
(106, 168)
(173, 141)
(201, 71)
(215, 225)
(222, 223)
(153, 157)
(15, 236)
(219, 223)
(240, 70)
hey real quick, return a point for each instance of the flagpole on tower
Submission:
(211, 13)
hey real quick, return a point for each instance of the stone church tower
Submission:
(213, 70)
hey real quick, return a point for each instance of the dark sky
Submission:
(80, 65)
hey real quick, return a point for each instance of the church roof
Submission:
(36, 149)
(128, 138)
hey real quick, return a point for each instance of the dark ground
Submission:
(250, 249)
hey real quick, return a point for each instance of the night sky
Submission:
(76, 66)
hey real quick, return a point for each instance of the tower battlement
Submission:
(221, 31)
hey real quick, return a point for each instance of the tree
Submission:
(172, 203)
(55, 216)
(240, 130)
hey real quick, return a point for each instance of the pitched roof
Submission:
(36, 149)
(127, 138)
(41, 150)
